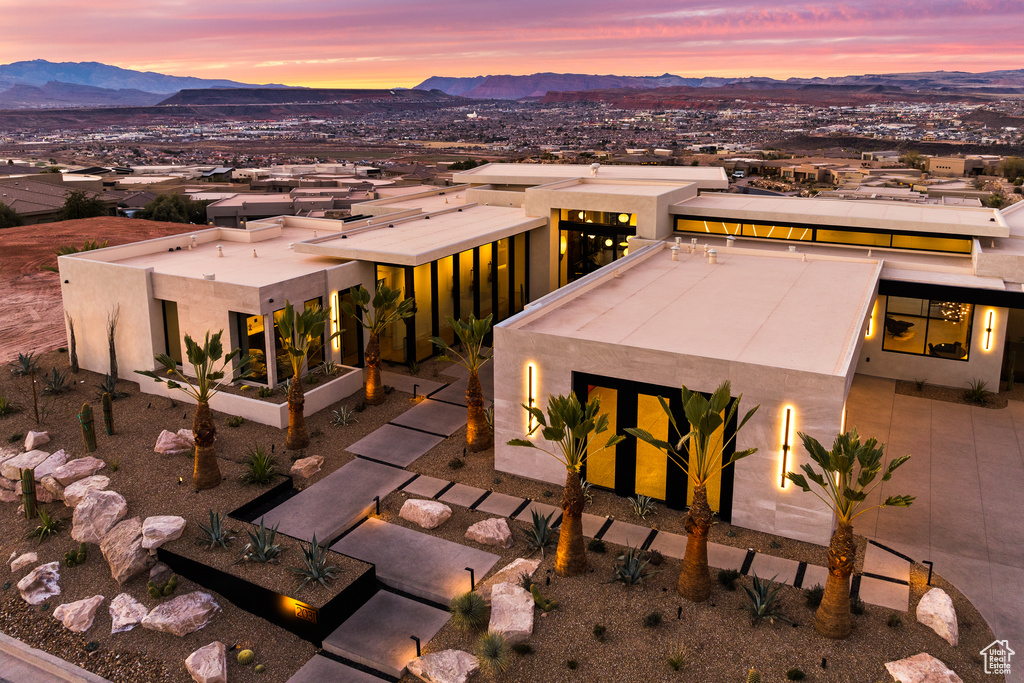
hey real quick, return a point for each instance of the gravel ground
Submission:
(955, 394)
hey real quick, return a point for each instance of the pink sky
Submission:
(387, 43)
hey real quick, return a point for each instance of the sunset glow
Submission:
(392, 43)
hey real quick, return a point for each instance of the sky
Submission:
(399, 43)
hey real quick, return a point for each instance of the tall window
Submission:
(928, 327)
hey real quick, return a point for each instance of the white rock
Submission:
(22, 561)
(75, 493)
(35, 440)
(78, 616)
(158, 530)
(53, 486)
(187, 435)
(80, 468)
(511, 612)
(25, 461)
(97, 514)
(171, 443)
(935, 610)
(510, 573)
(446, 666)
(921, 668)
(125, 613)
(208, 664)
(123, 551)
(40, 583)
(8, 496)
(48, 466)
(429, 514)
(304, 468)
(492, 531)
(182, 615)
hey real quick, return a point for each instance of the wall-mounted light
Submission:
(787, 441)
(335, 321)
(871, 322)
(989, 328)
(562, 244)
(531, 394)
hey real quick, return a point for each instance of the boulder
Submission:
(7, 484)
(921, 668)
(158, 530)
(48, 466)
(492, 531)
(97, 514)
(53, 487)
(935, 610)
(123, 551)
(8, 496)
(80, 468)
(76, 492)
(182, 615)
(11, 468)
(304, 468)
(22, 561)
(125, 613)
(446, 666)
(511, 612)
(36, 439)
(43, 495)
(172, 443)
(40, 583)
(78, 616)
(429, 514)
(209, 664)
(510, 573)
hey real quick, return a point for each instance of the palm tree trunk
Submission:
(478, 432)
(206, 474)
(571, 557)
(297, 437)
(374, 388)
(695, 579)
(832, 619)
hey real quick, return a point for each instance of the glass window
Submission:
(870, 239)
(950, 244)
(651, 462)
(928, 327)
(501, 274)
(467, 284)
(392, 340)
(777, 232)
(348, 341)
(252, 340)
(172, 333)
(315, 356)
(487, 283)
(520, 283)
(445, 298)
(424, 311)
(601, 465)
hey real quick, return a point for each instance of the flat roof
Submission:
(421, 239)
(706, 177)
(880, 215)
(601, 186)
(772, 310)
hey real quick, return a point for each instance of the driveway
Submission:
(967, 471)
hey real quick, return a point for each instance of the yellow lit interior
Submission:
(651, 462)
(601, 466)
(714, 485)
(336, 342)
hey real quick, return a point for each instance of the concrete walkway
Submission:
(967, 471)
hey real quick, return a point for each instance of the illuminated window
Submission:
(928, 327)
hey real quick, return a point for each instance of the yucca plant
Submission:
(108, 385)
(631, 567)
(492, 653)
(216, 534)
(48, 526)
(472, 332)
(261, 546)
(763, 601)
(343, 416)
(642, 505)
(56, 382)
(977, 392)
(539, 534)
(261, 466)
(315, 568)
(469, 611)
(676, 660)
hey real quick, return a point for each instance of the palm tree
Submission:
(847, 473)
(571, 428)
(206, 384)
(386, 311)
(471, 333)
(705, 443)
(300, 333)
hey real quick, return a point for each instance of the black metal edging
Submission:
(409, 481)
(480, 500)
(890, 550)
(261, 504)
(798, 580)
(522, 506)
(649, 540)
(608, 521)
(443, 490)
(747, 561)
(885, 578)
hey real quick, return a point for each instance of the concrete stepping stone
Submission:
(884, 593)
(433, 417)
(767, 566)
(725, 556)
(425, 486)
(814, 575)
(394, 445)
(458, 371)
(623, 533)
(670, 545)
(320, 669)
(500, 504)
(415, 562)
(463, 495)
(406, 383)
(592, 524)
(336, 502)
(542, 508)
(378, 634)
(882, 562)
(456, 391)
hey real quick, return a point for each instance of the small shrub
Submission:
(48, 526)
(652, 620)
(456, 464)
(676, 660)
(599, 632)
(261, 466)
(730, 533)
(7, 407)
(919, 383)
(469, 612)
(108, 385)
(631, 568)
(261, 547)
(596, 545)
(522, 649)
(315, 568)
(56, 382)
(216, 534)
(492, 653)
(234, 421)
(342, 417)
(763, 601)
(312, 380)
(728, 578)
(92, 646)
(572, 664)
(977, 392)
(588, 497)
(813, 595)
(857, 606)
(525, 581)
(16, 437)
(114, 464)
(894, 621)
(330, 369)
(795, 674)
(540, 534)
(264, 392)
(775, 545)
(654, 558)
(642, 505)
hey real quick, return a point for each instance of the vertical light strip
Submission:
(988, 329)
(530, 395)
(335, 322)
(871, 321)
(786, 445)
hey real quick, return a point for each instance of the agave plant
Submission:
(216, 534)
(261, 546)
(587, 495)
(540, 534)
(261, 466)
(469, 611)
(48, 526)
(315, 568)
(25, 365)
(343, 416)
(631, 567)
(763, 601)
(642, 505)
(108, 385)
(56, 382)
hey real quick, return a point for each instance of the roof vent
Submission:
(209, 276)
(391, 225)
(712, 256)
(220, 250)
(426, 218)
(344, 237)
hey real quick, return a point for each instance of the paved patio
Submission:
(967, 471)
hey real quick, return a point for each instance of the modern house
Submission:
(623, 282)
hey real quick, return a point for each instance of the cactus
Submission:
(246, 657)
(542, 602)
(88, 428)
(260, 668)
(81, 554)
(108, 413)
(154, 592)
(753, 676)
(70, 559)
(28, 493)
